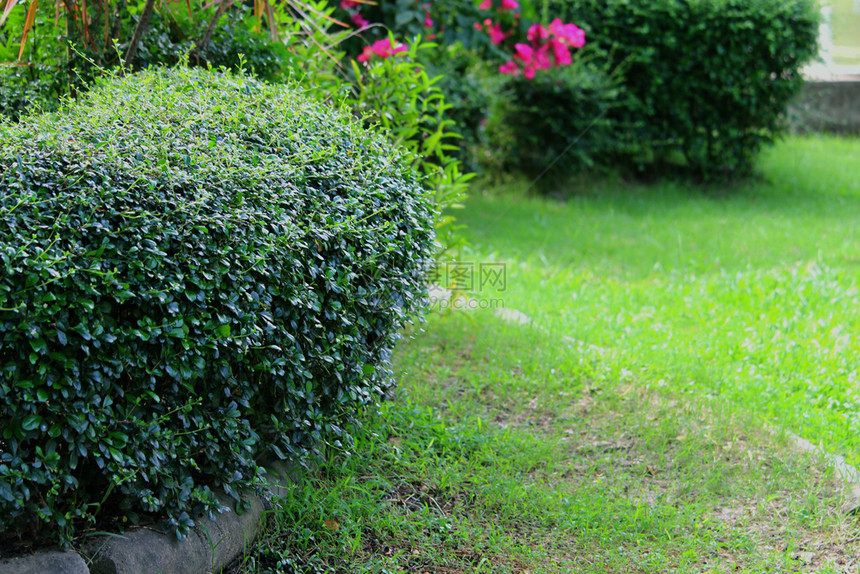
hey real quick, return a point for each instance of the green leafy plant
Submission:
(398, 94)
(197, 271)
(707, 80)
(554, 125)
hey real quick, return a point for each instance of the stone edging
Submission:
(210, 546)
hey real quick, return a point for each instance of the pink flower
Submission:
(347, 4)
(560, 52)
(359, 20)
(524, 52)
(509, 5)
(537, 33)
(485, 5)
(510, 67)
(542, 60)
(570, 34)
(381, 48)
(478, 26)
(428, 22)
(496, 34)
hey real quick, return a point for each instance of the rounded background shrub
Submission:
(710, 80)
(197, 271)
(554, 125)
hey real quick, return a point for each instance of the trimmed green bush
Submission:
(710, 79)
(197, 271)
(554, 125)
(24, 89)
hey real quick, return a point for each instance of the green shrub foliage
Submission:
(24, 89)
(554, 125)
(197, 271)
(708, 78)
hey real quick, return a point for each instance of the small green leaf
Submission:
(177, 332)
(31, 422)
(38, 345)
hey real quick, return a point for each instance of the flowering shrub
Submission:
(548, 47)
(382, 48)
(525, 46)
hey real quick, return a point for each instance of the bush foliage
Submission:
(710, 79)
(554, 125)
(197, 270)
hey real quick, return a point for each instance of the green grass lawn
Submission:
(749, 292)
(637, 425)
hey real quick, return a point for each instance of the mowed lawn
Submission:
(748, 292)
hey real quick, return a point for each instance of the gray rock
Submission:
(45, 562)
(210, 546)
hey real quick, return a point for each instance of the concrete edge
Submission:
(210, 546)
(849, 474)
(828, 106)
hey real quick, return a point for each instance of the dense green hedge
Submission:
(197, 271)
(554, 125)
(708, 78)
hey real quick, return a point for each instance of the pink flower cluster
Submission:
(506, 5)
(497, 36)
(382, 48)
(548, 46)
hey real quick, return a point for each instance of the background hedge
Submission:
(708, 79)
(197, 270)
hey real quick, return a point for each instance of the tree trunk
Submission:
(139, 31)
(222, 7)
